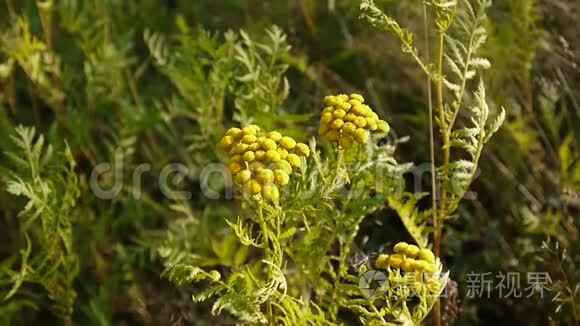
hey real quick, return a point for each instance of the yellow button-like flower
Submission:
(272, 156)
(330, 100)
(236, 133)
(348, 128)
(256, 166)
(283, 152)
(336, 123)
(382, 261)
(274, 135)
(339, 114)
(252, 187)
(287, 142)
(360, 122)
(239, 149)
(357, 97)
(226, 142)
(265, 176)
(371, 124)
(333, 135)
(281, 177)
(269, 144)
(243, 176)
(395, 260)
(294, 160)
(235, 167)
(249, 139)
(426, 255)
(349, 117)
(249, 156)
(250, 130)
(270, 193)
(361, 135)
(250, 148)
(329, 109)
(302, 149)
(285, 166)
(412, 251)
(400, 247)
(254, 147)
(408, 264)
(326, 117)
(429, 268)
(260, 155)
(383, 126)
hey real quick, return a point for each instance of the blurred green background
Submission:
(108, 93)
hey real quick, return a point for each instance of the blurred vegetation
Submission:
(158, 82)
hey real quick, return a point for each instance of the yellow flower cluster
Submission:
(346, 120)
(262, 161)
(409, 258)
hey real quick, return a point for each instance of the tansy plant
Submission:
(300, 206)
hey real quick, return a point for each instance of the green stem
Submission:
(445, 135)
(264, 230)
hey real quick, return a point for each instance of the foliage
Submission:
(114, 181)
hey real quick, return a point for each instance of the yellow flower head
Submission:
(261, 161)
(409, 258)
(347, 115)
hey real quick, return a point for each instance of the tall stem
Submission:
(264, 229)
(445, 135)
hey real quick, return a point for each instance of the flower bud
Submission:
(270, 193)
(235, 167)
(283, 152)
(358, 97)
(260, 155)
(287, 142)
(243, 176)
(348, 128)
(249, 139)
(226, 142)
(234, 132)
(427, 255)
(411, 251)
(383, 126)
(382, 261)
(265, 176)
(269, 144)
(400, 247)
(249, 156)
(326, 117)
(294, 160)
(336, 123)
(302, 149)
(285, 166)
(361, 135)
(274, 135)
(281, 177)
(349, 117)
(339, 114)
(272, 156)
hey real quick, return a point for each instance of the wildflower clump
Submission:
(347, 121)
(408, 258)
(418, 264)
(260, 162)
